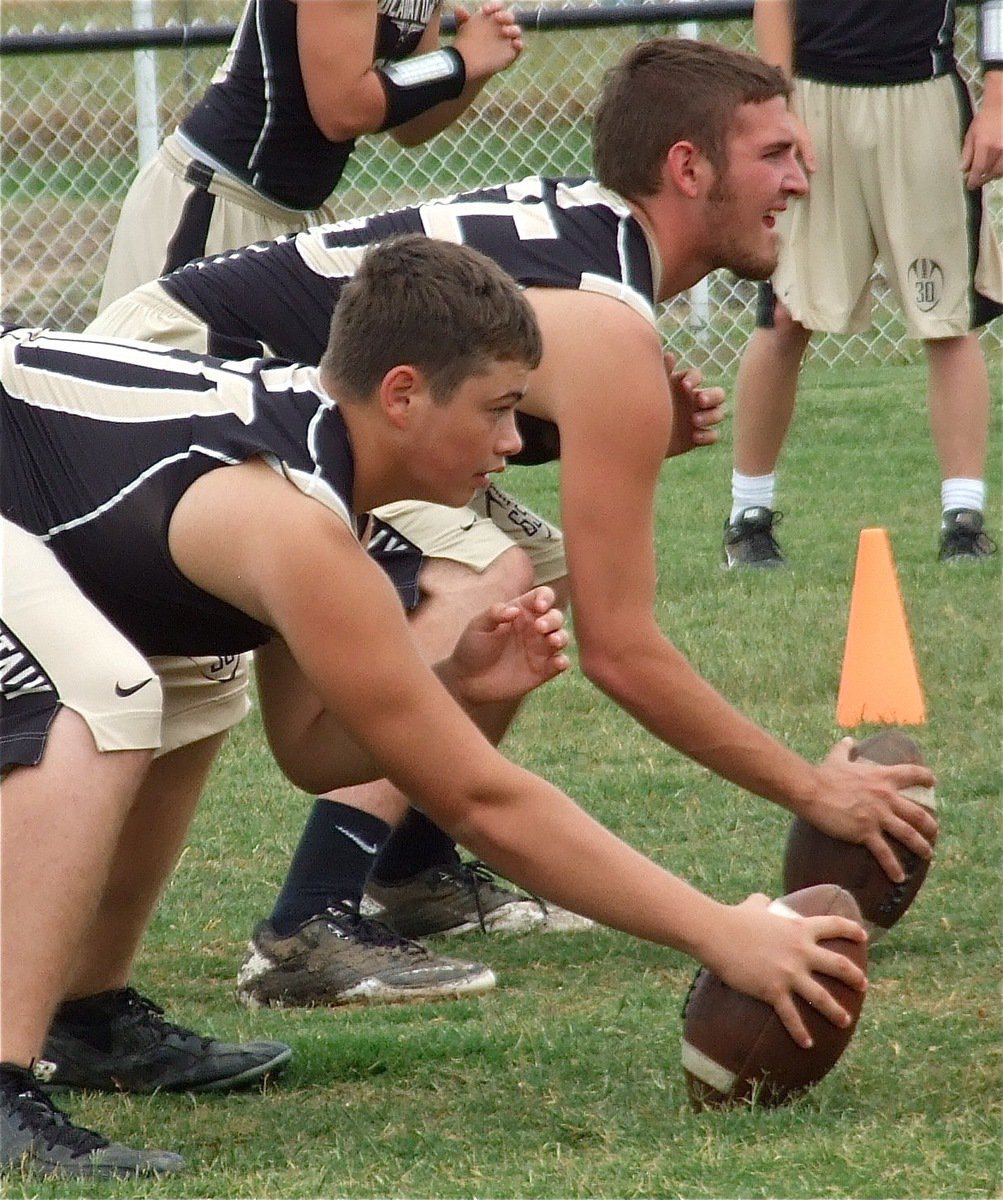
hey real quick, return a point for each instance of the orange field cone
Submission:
(879, 681)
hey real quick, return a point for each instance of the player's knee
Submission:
(509, 575)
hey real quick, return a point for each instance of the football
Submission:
(736, 1050)
(812, 856)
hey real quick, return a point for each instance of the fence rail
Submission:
(75, 124)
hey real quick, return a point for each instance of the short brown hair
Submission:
(668, 90)
(444, 308)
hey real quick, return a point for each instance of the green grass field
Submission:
(566, 1081)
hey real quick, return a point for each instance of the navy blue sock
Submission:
(414, 846)
(332, 862)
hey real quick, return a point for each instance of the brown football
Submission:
(814, 857)
(735, 1048)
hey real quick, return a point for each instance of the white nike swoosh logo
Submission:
(370, 848)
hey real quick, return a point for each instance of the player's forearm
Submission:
(585, 867)
(430, 123)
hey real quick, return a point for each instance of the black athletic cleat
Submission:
(464, 897)
(340, 957)
(36, 1136)
(749, 540)
(962, 536)
(127, 1046)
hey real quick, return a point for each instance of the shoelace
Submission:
(369, 931)
(140, 1010)
(40, 1117)
(472, 875)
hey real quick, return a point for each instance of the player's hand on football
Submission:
(488, 40)
(696, 411)
(861, 802)
(773, 956)
(510, 649)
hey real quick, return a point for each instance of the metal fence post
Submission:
(147, 97)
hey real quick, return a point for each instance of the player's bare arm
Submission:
(609, 472)
(335, 40)
(773, 26)
(350, 641)
(982, 151)
(503, 653)
(488, 40)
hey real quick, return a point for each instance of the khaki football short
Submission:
(155, 206)
(58, 648)
(889, 186)
(480, 532)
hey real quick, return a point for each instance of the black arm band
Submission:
(991, 35)
(414, 85)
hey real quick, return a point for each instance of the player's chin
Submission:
(760, 267)
(457, 495)
(757, 262)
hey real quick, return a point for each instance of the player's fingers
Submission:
(540, 599)
(906, 775)
(887, 858)
(554, 666)
(710, 397)
(688, 378)
(823, 1001)
(910, 837)
(837, 966)
(551, 621)
(790, 1018)
(832, 926)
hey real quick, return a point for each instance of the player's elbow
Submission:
(607, 667)
(350, 114)
(479, 813)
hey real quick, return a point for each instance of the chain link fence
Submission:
(73, 133)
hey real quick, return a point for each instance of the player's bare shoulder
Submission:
(590, 342)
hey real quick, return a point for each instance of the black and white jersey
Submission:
(278, 296)
(864, 42)
(100, 440)
(254, 119)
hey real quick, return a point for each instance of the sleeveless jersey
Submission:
(254, 119)
(873, 41)
(569, 233)
(102, 438)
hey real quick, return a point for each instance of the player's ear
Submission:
(398, 390)
(686, 169)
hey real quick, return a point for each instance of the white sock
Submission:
(962, 493)
(751, 491)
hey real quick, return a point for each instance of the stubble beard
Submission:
(731, 253)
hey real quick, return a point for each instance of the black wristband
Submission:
(414, 85)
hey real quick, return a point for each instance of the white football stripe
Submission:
(706, 1069)
(921, 795)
